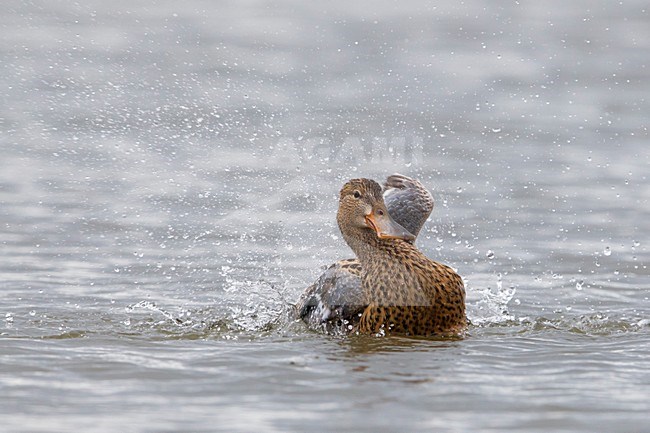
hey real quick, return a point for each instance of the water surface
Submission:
(168, 186)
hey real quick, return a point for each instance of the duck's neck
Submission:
(388, 278)
(371, 250)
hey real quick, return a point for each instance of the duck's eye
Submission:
(357, 194)
(380, 212)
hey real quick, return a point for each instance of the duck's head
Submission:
(363, 216)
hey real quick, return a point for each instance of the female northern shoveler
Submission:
(392, 287)
(337, 293)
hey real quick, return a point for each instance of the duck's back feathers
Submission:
(334, 299)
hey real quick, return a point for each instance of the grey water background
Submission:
(168, 186)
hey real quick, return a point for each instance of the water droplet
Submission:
(636, 243)
(32, 313)
(459, 190)
(496, 130)
(579, 284)
(607, 251)
(490, 254)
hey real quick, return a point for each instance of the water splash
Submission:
(250, 308)
(151, 306)
(258, 305)
(492, 307)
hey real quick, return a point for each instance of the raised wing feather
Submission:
(408, 202)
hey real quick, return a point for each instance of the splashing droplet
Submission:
(490, 254)
(607, 251)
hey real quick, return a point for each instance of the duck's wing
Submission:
(335, 299)
(408, 202)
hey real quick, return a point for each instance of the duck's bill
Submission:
(387, 228)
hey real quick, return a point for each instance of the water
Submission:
(168, 187)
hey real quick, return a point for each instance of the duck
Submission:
(391, 287)
(337, 294)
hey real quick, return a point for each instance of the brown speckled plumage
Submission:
(407, 293)
(402, 291)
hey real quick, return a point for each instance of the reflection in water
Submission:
(360, 344)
